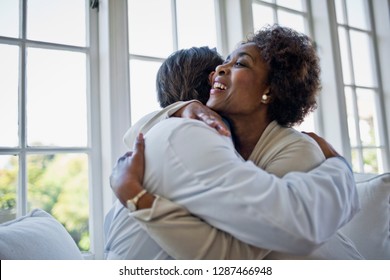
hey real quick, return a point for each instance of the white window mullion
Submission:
(235, 29)
(174, 26)
(21, 201)
(23, 180)
(96, 185)
(246, 16)
(220, 23)
(114, 87)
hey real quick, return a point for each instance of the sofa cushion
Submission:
(36, 236)
(370, 228)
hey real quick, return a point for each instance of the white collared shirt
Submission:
(190, 164)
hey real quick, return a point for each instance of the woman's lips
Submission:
(218, 87)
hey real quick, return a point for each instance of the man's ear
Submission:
(211, 77)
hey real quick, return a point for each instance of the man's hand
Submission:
(326, 148)
(198, 111)
(128, 174)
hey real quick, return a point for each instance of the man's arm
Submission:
(184, 236)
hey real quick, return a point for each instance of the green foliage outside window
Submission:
(57, 184)
(8, 179)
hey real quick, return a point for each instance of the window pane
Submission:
(307, 125)
(362, 59)
(9, 18)
(150, 35)
(292, 20)
(9, 57)
(143, 88)
(292, 4)
(370, 159)
(9, 169)
(351, 116)
(58, 184)
(340, 11)
(262, 15)
(57, 21)
(381, 154)
(196, 23)
(344, 52)
(56, 98)
(357, 13)
(367, 117)
(356, 159)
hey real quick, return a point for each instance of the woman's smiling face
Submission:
(239, 83)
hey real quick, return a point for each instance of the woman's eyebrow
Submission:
(241, 54)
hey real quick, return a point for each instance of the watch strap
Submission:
(135, 199)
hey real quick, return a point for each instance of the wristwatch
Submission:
(132, 203)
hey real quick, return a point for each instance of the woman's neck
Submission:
(247, 131)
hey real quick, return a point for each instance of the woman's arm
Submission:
(184, 236)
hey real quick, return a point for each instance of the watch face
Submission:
(131, 206)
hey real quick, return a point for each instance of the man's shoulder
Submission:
(179, 125)
(182, 132)
(142, 125)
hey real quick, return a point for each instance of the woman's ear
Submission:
(265, 97)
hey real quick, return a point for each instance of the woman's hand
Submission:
(326, 148)
(198, 111)
(128, 174)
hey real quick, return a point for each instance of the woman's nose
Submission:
(222, 69)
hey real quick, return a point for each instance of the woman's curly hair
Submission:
(294, 72)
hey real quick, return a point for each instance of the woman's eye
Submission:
(238, 63)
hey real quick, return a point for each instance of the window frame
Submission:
(93, 146)
(334, 126)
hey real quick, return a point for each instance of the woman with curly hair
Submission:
(294, 73)
(267, 85)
